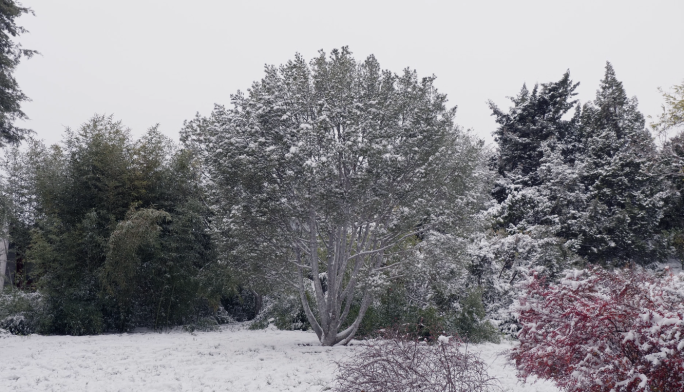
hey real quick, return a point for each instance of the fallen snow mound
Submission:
(232, 359)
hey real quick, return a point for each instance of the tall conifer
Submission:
(623, 192)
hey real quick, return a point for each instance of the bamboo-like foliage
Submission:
(140, 229)
(113, 229)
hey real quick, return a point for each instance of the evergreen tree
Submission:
(624, 192)
(534, 119)
(584, 188)
(671, 165)
(325, 174)
(536, 189)
(120, 233)
(671, 162)
(18, 206)
(10, 55)
(586, 185)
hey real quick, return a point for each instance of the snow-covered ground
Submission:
(233, 359)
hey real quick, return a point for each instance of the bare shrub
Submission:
(398, 364)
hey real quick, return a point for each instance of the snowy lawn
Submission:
(233, 359)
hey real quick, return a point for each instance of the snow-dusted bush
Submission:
(501, 260)
(398, 364)
(464, 317)
(21, 313)
(599, 330)
(17, 325)
(283, 310)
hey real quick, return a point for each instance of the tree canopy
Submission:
(325, 171)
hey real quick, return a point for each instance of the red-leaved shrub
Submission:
(599, 330)
(400, 364)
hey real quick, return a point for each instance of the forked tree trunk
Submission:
(354, 253)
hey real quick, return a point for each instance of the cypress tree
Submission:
(534, 119)
(623, 192)
(536, 189)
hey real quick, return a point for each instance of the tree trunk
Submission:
(342, 274)
(4, 245)
(258, 302)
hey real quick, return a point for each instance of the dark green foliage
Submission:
(202, 324)
(71, 316)
(470, 322)
(288, 314)
(394, 312)
(242, 304)
(584, 188)
(535, 118)
(282, 309)
(389, 310)
(624, 192)
(11, 53)
(18, 206)
(671, 162)
(121, 238)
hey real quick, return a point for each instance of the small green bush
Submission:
(392, 312)
(21, 313)
(76, 318)
(261, 323)
(470, 322)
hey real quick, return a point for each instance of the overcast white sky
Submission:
(161, 61)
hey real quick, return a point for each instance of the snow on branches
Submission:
(335, 167)
(599, 330)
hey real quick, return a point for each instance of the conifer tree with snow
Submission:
(11, 54)
(581, 186)
(537, 188)
(327, 175)
(572, 187)
(535, 120)
(624, 192)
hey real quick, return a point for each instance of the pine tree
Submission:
(589, 181)
(536, 192)
(10, 55)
